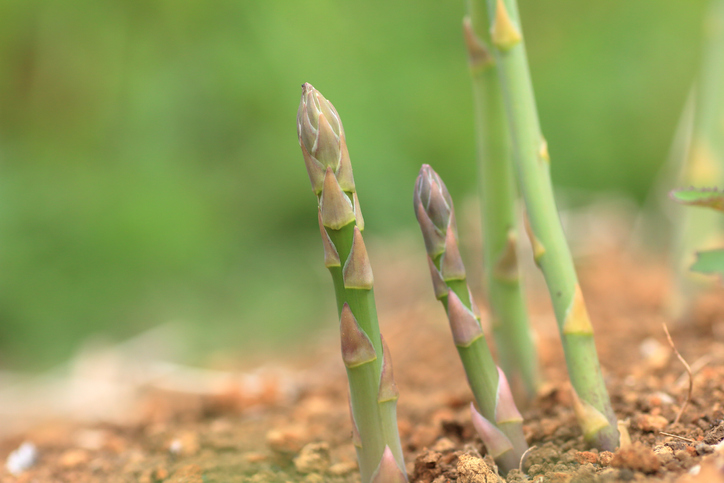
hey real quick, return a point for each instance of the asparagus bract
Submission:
(498, 196)
(373, 394)
(499, 423)
(592, 404)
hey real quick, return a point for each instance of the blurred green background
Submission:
(149, 166)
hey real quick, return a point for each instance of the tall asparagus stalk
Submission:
(591, 401)
(704, 165)
(500, 425)
(373, 394)
(498, 196)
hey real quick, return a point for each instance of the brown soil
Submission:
(280, 435)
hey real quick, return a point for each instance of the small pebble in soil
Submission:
(22, 459)
(703, 448)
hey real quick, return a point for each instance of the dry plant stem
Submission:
(373, 394)
(499, 423)
(688, 371)
(591, 400)
(678, 437)
(498, 196)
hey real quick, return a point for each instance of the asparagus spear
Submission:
(373, 394)
(591, 401)
(499, 423)
(498, 196)
(704, 165)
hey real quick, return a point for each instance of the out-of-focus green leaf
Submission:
(708, 197)
(710, 261)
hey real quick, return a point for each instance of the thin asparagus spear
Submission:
(704, 165)
(373, 394)
(591, 401)
(499, 423)
(498, 196)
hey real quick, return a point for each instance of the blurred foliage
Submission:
(149, 167)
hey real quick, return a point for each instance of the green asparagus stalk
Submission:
(591, 401)
(499, 423)
(373, 394)
(705, 162)
(498, 196)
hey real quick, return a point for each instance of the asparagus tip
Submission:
(357, 269)
(495, 441)
(434, 239)
(463, 324)
(388, 471)
(357, 348)
(504, 34)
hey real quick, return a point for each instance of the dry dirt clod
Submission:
(314, 458)
(583, 457)
(427, 467)
(73, 458)
(342, 468)
(636, 457)
(664, 453)
(443, 445)
(605, 458)
(650, 423)
(287, 441)
(187, 474)
(474, 470)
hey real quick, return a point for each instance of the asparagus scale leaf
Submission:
(532, 160)
(498, 423)
(708, 261)
(373, 394)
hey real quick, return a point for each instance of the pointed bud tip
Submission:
(336, 207)
(357, 272)
(504, 33)
(451, 265)
(388, 471)
(357, 349)
(505, 410)
(478, 55)
(388, 389)
(463, 324)
(494, 439)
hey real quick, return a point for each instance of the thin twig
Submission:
(688, 370)
(520, 464)
(678, 437)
